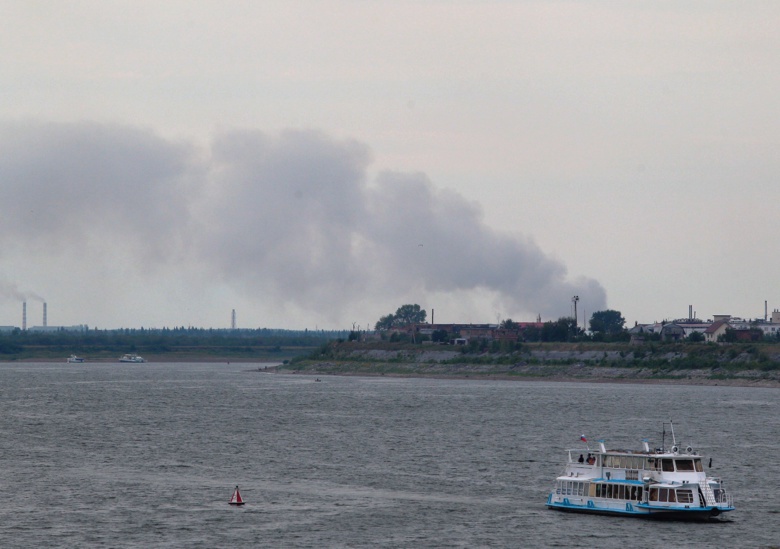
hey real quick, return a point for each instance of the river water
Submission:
(147, 455)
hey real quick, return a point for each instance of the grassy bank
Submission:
(750, 364)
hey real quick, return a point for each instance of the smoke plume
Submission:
(10, 291)
(293, 217)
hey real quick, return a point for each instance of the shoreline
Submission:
(699, 381)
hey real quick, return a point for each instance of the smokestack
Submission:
(690, 312)
(233, 320)
(24, 316)
(432, 311)
(765, 311)
(44, 314)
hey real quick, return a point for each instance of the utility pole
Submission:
(574, 300)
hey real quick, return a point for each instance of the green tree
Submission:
(384, 323)
(607, 322)
(410, 314)
(509, 324)
(404, 315)
(563, 329)
(696, 337)
(440, 336)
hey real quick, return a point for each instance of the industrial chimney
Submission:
(44, 314)
(233, 320)
(24, 316)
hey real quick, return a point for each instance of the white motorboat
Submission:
(132, 358)
(75, 359)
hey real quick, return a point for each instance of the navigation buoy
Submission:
(236, 499)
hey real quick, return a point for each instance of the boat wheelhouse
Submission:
(657, 483)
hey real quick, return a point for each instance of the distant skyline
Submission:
(318, 164)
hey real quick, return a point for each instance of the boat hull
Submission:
(643, 511)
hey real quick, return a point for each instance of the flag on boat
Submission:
(583, 439)
(236, 499)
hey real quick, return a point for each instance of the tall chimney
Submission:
(432, 311)
(24, 316)
(765, 311)
(44, 314)
(233, 320)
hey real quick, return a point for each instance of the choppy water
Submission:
(109, 455)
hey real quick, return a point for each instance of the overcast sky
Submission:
(318, 164)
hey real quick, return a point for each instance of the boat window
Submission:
(599, 490)
(623, 492)
(684, 496)
(667, 465)
(636, 462)
(651, 464)
(684, 464)
(632, 475)
(633, 493)
(697, 463)
(672, 499)
(610, 490)
(592, 490)
(653, 494)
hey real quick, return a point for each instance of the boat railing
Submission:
(722, 497)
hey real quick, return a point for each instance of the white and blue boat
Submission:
(652, 483)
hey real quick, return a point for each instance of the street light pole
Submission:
(575, 299)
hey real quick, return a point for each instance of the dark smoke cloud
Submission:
(292, 218)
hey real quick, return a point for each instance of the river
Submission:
(147, 455)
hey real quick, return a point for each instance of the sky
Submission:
(317, 164)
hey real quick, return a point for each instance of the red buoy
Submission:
(236, 499)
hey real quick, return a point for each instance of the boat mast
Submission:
(663, 436)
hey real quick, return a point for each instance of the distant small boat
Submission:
(236, 499)
(132, 358)
(74, 359)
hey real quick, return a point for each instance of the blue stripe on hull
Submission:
(643, 511)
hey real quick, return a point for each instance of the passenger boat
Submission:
(132, 358)
(75, 359)
(660, 483)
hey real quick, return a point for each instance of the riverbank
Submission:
(662, 364)
(152, 359)
(553, 374)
